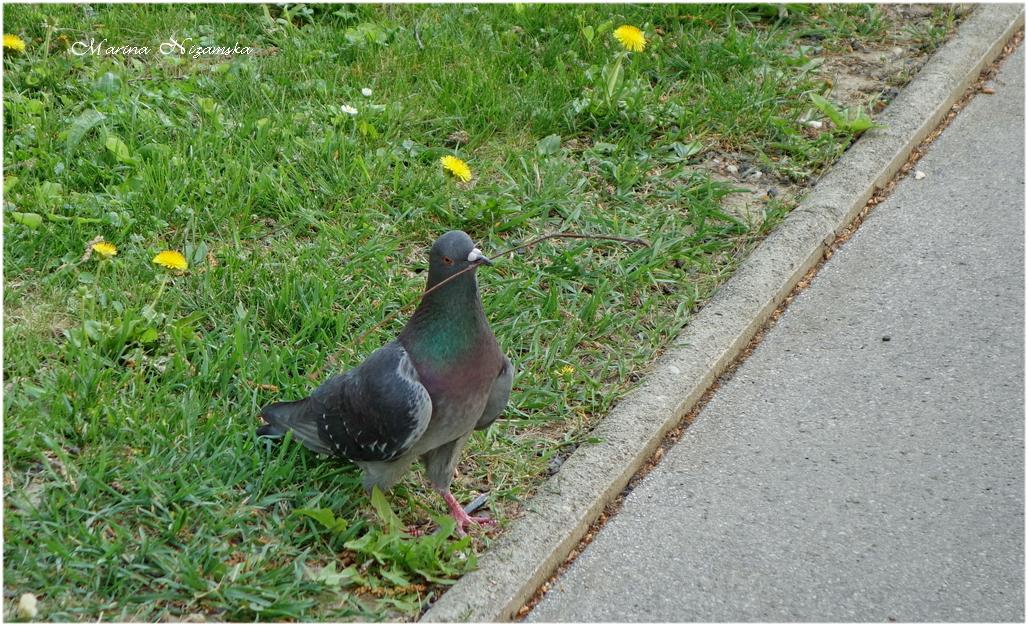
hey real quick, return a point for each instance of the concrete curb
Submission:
(560, 514)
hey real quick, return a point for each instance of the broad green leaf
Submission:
(207, 105)
(82, 125)
(828, 109)
(682, 151)
(31, 220)
(860, 123)
(192, 319)
(446, 525)
(35, 107)
(367, 130)
(385, 512)
(196, 255)
(325, 517)
(93, 330)
(118, 148)
(49, 190)
(614, 78)
(331, 577)
(53, 217)
(155, 151)
(548, 145)
(149, 335)
(432, 578)
(853, 121)
(395, 576)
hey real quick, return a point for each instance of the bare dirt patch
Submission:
(860, 74)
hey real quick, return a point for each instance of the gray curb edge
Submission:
(559, 515)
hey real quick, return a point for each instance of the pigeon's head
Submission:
(451, 253)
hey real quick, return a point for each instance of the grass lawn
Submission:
(134, 486)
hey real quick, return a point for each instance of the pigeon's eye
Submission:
(447, 260)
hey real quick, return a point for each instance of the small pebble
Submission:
(732, 169)
(886, 338)
(27, 606)
(918, 174)
(814, 123)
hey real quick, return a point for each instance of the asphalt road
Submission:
(867, 461)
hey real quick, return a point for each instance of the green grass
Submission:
(134, 487)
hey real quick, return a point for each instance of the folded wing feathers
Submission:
(300, 418)
(377, 411)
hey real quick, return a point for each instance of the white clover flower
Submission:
(27, 606)
(366, 92)
(349, 110)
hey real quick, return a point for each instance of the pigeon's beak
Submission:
(476, 257)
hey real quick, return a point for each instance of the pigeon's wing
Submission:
(376, 411)
(300, 417)
(498, 396)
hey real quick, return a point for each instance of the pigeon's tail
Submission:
(298, 417)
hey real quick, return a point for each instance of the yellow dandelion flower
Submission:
(14, 43)
(456, 167)
(171, 259)
(104, 249)
(631, 38)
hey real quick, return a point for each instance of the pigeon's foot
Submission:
(416, 531)
(462, 518)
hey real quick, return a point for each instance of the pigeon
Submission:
(420, 395)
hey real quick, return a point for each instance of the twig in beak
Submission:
(476, 258)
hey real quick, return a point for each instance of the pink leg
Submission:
(414, 531)
(463, 519)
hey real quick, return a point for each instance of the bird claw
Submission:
(416, 531)
(472, 519)
(462, 518)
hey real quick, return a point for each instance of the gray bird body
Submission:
(418, 396)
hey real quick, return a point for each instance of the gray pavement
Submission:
(867, 461)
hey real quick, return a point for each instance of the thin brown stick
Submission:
(634, 240)
(630, 240)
